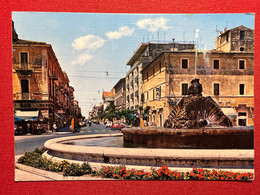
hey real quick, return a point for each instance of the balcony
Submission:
(136, 93)
(23, 68)
(132, 83)
(30, 96)
(136, 79)
(54, 76)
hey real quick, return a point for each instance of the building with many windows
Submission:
(143, 55)
(41, 90)
(226, 76)
(119, 97)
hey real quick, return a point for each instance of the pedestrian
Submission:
(54, 128)
(28, 127)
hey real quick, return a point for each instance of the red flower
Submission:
(222, 178)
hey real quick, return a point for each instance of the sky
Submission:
(93, 48)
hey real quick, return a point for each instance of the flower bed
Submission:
(164, 173)
(36, 160)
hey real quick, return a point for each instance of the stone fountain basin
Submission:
(57, 149)
(204, 138)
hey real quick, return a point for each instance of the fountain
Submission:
(196, 133)
(195, 122)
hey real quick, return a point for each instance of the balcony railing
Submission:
(54, 76)
(23, 68)
(30, 96)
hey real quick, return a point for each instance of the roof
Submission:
(137, 53)
(120, 81)
(22, 41)
(234, 29)
(107, 94)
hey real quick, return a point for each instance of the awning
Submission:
(26, 115)
(229, 112)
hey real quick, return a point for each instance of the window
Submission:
(142, 97)
(241, 89)
(25, 89)
(24, 57)
(158, 92)
(216, 64)
(147, 75)
(242, 35)
(242, 118)
(25, 86)
(147, 95)
(184, 89)
(184, 63)
(241, 64)
(227, 37)
(216, 88)
(160, 67)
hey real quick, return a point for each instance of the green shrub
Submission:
(73, 170)
(33, 158)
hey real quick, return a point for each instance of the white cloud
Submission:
(122, 31)
(153, 24)
(90, 42)
(82, 59)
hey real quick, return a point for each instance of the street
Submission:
(30, 142)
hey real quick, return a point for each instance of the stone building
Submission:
(119, 97)
(226, 76)
(41, 89)
(237, 39)
(143, 55)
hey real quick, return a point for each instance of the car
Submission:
(116, 126)
(108, 124)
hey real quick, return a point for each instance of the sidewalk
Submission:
(21, 175)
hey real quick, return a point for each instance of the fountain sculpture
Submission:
(196, 111)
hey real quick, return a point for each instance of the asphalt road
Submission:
(30, 142)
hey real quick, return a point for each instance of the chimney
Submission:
(226, 29)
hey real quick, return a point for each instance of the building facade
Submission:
(119, 97)
(239, 39)
(143, 55)
(39, 84)
(228, 77)
(108, 97)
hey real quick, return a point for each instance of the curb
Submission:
(53, 176)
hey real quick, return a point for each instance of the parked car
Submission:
(116, 126)
(109, 124)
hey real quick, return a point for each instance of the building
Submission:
(237, 39)
(119, 97)
(41, 90)
(226, 76)
(108, 97)
(143, 55)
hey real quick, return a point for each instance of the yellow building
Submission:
(40, 87)
(227, 77)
